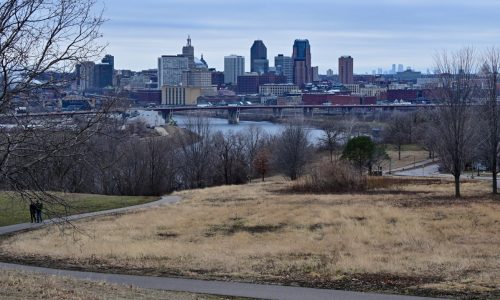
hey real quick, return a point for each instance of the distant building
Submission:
(302, 72)
(278, 89)
(85, 78)
(329, 72)
(409, 75)
(258, 57)
(284, 66)
(346, 65)
(323, 98)
(104, 71)
(179, 95)
(217, 78)
(197, 78)
(170, 69)
(188, 51)
(315, 74)
(234, 66)
(401, 68)
(248, 83)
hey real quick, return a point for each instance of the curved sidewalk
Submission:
(165, 200)
(223, 288)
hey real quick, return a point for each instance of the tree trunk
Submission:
(494, 171)
(399, 152)
(457, 186)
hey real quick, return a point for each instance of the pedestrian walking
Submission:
(32, 212)
(39, 208)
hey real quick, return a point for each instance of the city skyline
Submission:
(375, 34)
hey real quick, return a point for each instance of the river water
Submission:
(152, 118)
(223, 126)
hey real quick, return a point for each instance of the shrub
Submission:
(335, 177)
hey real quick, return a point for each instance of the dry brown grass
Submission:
(25, 285)
(416, 233)
(408, 157)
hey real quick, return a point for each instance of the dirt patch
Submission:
(238, 225)
(167, 235)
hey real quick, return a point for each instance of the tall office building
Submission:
(302, 72)
(284, 66)
(329, 72)
(346, 64)
(234, 66)
(188, 51)
(258, 58)
(103, 72)
(393, 70)
(170, 69)
(401, 68)
(86, 75)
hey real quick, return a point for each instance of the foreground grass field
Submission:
(13, 210)
(24, 285)
(414, 239)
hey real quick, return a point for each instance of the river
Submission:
(217, 124)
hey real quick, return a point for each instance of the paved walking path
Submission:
(24, 226)
(223, 288)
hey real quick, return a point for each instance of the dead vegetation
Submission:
(414, 239)
(25, 285)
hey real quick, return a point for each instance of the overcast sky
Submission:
(376, 33)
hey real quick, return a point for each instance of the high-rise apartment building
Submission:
(346, 64)
(315, 74)
(234, 66)
(284, 66)
(258, 58)
(302, 72)
(170, 69)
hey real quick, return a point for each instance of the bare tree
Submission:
(399, 130)
(291, 150)
(491, 111)
(333, 134)
(261, 162)
(196, 151)
(454, 133)
(40, 36)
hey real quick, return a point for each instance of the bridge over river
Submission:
(233, 112)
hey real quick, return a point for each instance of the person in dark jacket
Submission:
(32, 212)
(39, 207)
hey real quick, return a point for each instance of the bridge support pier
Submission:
(168, 116)
(233, 115)
(278, 113)
(308, 112)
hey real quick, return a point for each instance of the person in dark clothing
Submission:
(39, 207)
(32, 212)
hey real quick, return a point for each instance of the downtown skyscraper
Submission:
(284, 66)
(234, 66)
(258, 57)
(302, 71)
